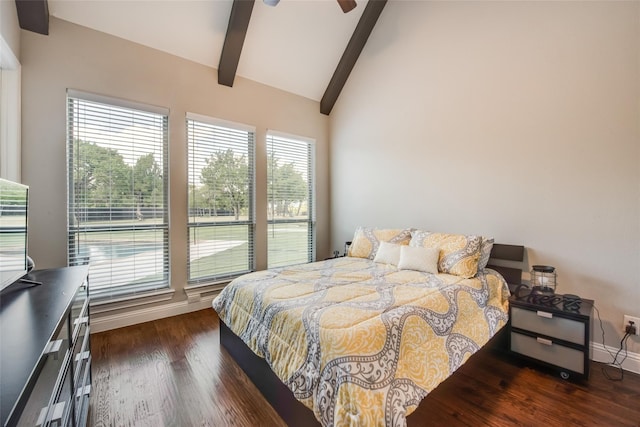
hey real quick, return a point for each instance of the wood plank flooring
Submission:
(172, 372)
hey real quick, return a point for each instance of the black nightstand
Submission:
(541, 330)
(336, 254)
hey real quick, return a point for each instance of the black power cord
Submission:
(614, 364)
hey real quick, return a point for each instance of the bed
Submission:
(354, 341)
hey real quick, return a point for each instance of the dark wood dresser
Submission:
(45, 349)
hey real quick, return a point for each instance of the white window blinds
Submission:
(117, 193)
(290, 200)
(221, 198)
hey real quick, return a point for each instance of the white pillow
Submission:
(419, 258)
(388, 253)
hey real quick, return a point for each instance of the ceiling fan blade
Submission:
(347, 5)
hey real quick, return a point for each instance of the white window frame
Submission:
(10, 105)
(198, 282)
(123, 291)
(311, 218)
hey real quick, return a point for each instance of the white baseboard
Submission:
(599, 353)
(113, 321)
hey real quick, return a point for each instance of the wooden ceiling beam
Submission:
(347, 5)
(234, 40)
(33, 15)
(359, 38)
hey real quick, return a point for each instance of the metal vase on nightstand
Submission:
(346, 248)
(543, 279)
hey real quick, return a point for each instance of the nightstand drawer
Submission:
(548, 324)
(548, 351)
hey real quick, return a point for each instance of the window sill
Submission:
(195, 292)
(104, 305)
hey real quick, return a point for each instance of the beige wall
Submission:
(519, 120)
(76, 57)
(9, 28)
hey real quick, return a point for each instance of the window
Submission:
(290, 209)
(9, 113)
(117, 188)
(221, 198)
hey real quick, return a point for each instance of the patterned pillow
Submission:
(459, 253)
(485, 252)
(366, 240)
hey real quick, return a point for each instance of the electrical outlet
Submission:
(635, 320)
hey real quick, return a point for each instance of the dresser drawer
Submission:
(80, 311)
(548, 351)
(41, 395)
(58, 413)
(55, 354)
(548, 324)
(82, 395)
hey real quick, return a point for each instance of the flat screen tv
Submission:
(14, 209)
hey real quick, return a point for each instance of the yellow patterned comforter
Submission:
(362, 343)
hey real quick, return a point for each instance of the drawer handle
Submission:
(544, 314)
(53, 347)
(56, 415)
(83, 391)
(81, 320)
(544, 341)
(83, 356)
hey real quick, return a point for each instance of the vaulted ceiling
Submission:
(296, 46)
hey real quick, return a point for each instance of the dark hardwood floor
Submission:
(172, 372)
